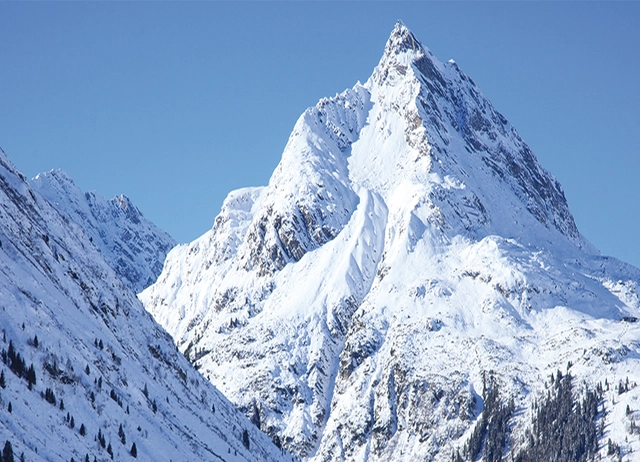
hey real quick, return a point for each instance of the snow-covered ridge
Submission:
(131, 244)
(407, 244)
(86, 371)
(301, 212)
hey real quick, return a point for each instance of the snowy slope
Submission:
(98, 356)
(133, 246)
(407, 244)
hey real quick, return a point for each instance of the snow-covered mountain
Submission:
(131, 244)
(86, 373)
(408, 258)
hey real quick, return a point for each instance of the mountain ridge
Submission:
(132, 245)
(86, 371)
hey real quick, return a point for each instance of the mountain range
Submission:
(411, 285)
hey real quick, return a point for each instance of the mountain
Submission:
(410, 285)
(86, 373)
(133, 246)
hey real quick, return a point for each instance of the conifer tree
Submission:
(50, 396)
(245, 438)
(7, 452)
(101, 438)
(122, 436)
(564, 425)
(31, 376)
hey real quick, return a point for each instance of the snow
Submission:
(407, 243)
(133, 246)
(94, 336)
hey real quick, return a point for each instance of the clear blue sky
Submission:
(176, 104)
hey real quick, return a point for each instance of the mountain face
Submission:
(86, 372)
(133, 246)
(409, 278)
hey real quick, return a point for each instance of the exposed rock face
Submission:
(133, 246)
(408, 243)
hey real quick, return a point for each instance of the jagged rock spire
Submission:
(402, 39)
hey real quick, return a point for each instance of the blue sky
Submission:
(176, 104)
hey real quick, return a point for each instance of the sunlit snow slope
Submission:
(407, 243)
(86, 371)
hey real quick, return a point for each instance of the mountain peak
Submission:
(405, 56)
(405, 212)
(450, 122)
(133, 245)
(401, 40)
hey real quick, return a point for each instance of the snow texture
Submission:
(408, 242)
(102, 365)
(133, 246)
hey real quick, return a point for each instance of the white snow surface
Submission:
(98, 350)
(407, 242)
(132, 245)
